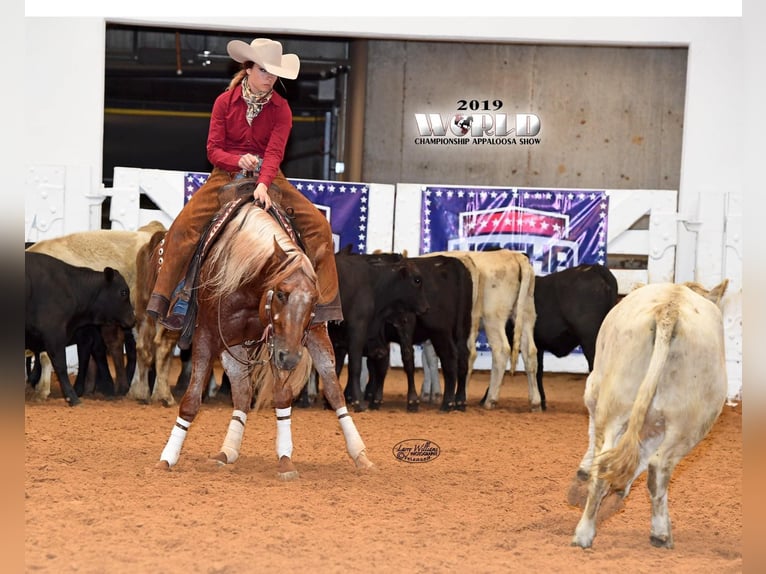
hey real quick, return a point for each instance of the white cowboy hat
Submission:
(267, 54)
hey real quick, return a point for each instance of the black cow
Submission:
(448, 289)
(60, 299)
(571, 305)
(372, 287)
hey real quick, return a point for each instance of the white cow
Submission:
(503, 287)
(658, 384)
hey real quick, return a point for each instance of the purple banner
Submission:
(557, 229)
(344, 205)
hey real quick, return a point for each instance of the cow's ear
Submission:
(716, 293)
(109, 274)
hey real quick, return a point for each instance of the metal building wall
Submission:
(611, 117)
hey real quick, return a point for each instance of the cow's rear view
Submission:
(657, 387)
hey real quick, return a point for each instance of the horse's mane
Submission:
(244, 248)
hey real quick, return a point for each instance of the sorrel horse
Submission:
(256, 296)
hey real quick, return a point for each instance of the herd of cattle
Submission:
(657, 382)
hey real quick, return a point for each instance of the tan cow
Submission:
(658, 384)
(503, 283)
(97, 249)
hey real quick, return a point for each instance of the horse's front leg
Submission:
(283, 399)
(190, 404)
(320, 348)
(236, 367)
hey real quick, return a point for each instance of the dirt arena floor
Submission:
(494, 500)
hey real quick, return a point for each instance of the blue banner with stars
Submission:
(344, 204)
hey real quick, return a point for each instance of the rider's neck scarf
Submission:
(254, 100)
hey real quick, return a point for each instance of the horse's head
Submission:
(287, 308)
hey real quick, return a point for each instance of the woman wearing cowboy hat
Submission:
(249, 127)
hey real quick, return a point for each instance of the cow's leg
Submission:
(377, 368)
(539, 374)
(43, 387)
(321, 351)
(529, 355)
(103, 379)
(164, 343)
(139, 386)
(131, 359)
(84, 343)
(446, 351)
(430, 392)
(189, 406)
(241, 396)
(57, 356)
(408, 362)
(353, 391)
(501, 351)
(114, 341)
(661, 466)
(585, 531)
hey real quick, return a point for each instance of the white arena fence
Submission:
(643, 224)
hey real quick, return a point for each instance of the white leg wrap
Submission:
(172, 449)
(284, 433)
(354, 443)
(233, 439)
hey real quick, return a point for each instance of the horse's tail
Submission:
(618, 465)
(263, 377)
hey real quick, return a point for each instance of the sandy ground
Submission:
(494, 500)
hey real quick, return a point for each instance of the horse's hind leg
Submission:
(241, 396)
(320, 348)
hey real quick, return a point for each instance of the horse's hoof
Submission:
(661, 541)
(219, 459)
(286, 470)
(364, 463)
(162, 465)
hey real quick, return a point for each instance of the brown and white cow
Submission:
(154, 343)
(657, 386)
(503, 283)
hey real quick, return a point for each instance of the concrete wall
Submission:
(611, 117)
(711, 156)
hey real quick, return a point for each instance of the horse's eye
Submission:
(282, 296)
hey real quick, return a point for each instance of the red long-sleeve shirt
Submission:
(230, 136)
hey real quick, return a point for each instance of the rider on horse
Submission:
(249, 127)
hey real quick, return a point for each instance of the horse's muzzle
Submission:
(287, 360)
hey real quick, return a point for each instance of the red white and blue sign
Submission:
(557, 229)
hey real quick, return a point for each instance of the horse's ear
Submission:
(279, 253)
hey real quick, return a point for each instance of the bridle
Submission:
(266, 337)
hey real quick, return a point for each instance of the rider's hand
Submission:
(248, 162)
(261, 196)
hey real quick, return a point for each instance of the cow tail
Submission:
(618, 465)
(526, 288)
